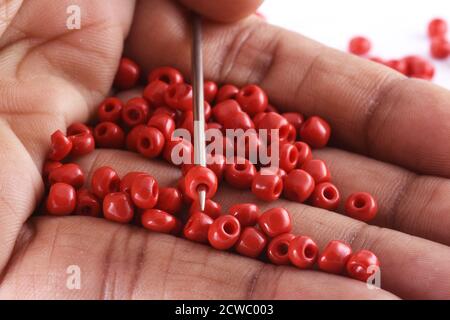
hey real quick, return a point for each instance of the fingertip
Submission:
(223, 10)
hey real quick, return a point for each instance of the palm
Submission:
(60, 79)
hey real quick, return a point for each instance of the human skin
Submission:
(390, 137)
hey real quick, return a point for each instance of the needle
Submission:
(198, 102)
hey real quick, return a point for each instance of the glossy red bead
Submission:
(304, 153)
(170, 200)
(61, 146)
(77, 128)
(104, 180)
(178, 151)
(239, 120)
(109, 135)
(128, 179)
(298, 185)
(361, 206)
(70, 173)
(210, 90)
(359, 265)
(48, 167)
(294, 118)
(159, 221)
(61, 199)
(166, 110)
(164, 123)
(288, 157)
(399, 65)
(214, 162)
(420, 68)
(197, 226)
(440, 48)
(224, 109)
(267, 187)
(359, 46)
(144, 191)
(224, 232)
(87, 204)
(168, 75)
(127, 74)
(315, 132)
(179, 96)
(246, 213)
(200, 177)
(334, 257)
(437, 28)
(240, 174)
(186, 121)
(303, 252)
(82, 144)
(135, 112)
(154, 93)
(132, 137)
(325, 196)
(252, 99)
(117, 207)
(273, 120)
(318, 170)
(251, 242)
(212, 209)
(227, 92)
(275, 221)
(257, 118)
(278, 249)
(150, 142)
(110, 110)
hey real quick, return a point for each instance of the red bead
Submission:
(325, 196)
(252, 99)
(82, 144)
(160, 221)
(246, 213)
(105, 180)
(212, 208)
(179, 96)
(61, 199)
(61, 146)
(110, 110)
(154, 93)
(223, 110)
(278, 249)
(197, 226)
(200, 177)
(240, 174)
(226, 92)
(70, 173)
(298, 185)
(170, 200)
(304, 153)
(214, 125)
(128, 179)
(267, 187)
(288, 157)
(186, 121)
(132, 137)
(144, 191)
(239, 120)
(135, 112)
(178, 151)
(318, 170)
(334, 257)
(292, 135)
(275, 221)
(303, 252)
(48, 167)
(361, 206)
(168, 75)
(315, 132)
(210, 90)
(437, 28)
(276, 121)
(399, 65)
(164, 123)
(359, 263)
(109, 135)
(251, 243)
(257, 118)
(77, 128)
(214, 162)
(127, 74)
(420, 68)
(359, 46)
(150, 142)
(117, 207)
(87, 204)
(165, 110)
(224, 232)
(440, 48)
(294, 118)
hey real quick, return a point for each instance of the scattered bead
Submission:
(117, 207)
(334, 257)
(246, 213)
(303, 252)
(325, 196)
(251, 242)
(358, 266)
(278, 249)
(159, 221)
(224, 232)
(61, 200)
(196, 228)
(361, 206)
(275, 221)
(104, 181)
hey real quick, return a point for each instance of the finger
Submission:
(371, 109)
(402, 256)
(114, 261)
(223, 10)
(417, 205)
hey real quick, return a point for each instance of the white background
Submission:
(395, 27)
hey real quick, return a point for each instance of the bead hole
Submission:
(329, 193)
(164, 78)
(133, 114)
(248, 92)
(102, 130)
(310, 251)
(109, 107)
(283, 249)
(114, 185)
(229, 228)
(360, 203)
(145, 143)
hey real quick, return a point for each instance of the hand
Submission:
(392, 133)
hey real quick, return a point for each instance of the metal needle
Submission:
(198, 102)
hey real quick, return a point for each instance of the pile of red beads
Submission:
(146, 125)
